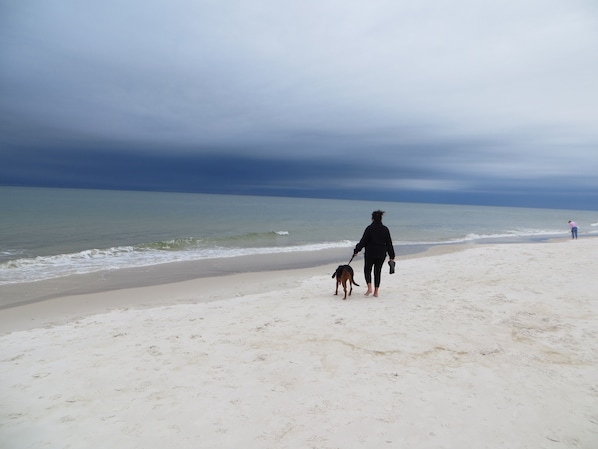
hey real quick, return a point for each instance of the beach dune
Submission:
(487, 347)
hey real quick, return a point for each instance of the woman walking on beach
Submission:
(377, 243)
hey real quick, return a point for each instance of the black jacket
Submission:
(377, 241)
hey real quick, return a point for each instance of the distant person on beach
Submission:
(573, 227)
(377, 243)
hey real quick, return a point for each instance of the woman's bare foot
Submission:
(368, 293)
(375, 292)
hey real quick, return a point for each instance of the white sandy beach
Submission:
(489, 347)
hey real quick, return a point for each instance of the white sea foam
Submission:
(94, 260)
(524, 233)
(11, 253)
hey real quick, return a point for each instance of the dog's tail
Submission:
(333, 275)
(355, 283)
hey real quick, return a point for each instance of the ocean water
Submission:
(50, 233)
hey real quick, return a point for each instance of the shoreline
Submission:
(19, 294)
(66, 299)
(15, 295)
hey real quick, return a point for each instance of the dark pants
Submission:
(375, 263)
(574, 232)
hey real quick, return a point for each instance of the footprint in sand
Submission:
(155, 351)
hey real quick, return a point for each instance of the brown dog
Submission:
(344, 274)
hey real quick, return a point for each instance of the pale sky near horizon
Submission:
(490, 102)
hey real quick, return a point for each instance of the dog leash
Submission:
(351, 259)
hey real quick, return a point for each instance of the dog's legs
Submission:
(345, 288)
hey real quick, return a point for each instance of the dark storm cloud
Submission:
(492, 103)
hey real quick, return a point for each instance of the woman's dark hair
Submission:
(377, 215)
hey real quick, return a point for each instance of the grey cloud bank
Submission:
(422, 101)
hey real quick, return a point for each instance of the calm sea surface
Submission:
(50, 233)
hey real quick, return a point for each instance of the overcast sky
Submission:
(492, 102)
